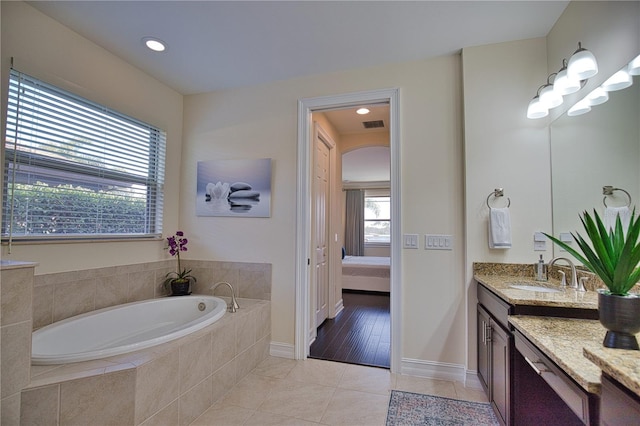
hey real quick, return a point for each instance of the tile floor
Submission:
(313, 392)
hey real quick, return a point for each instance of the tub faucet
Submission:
(233, 306)
(574, 275)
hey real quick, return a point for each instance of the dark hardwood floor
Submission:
(360, 334)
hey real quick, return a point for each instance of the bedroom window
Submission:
(74, 169)
(377, 218)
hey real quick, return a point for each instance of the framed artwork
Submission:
(236, 188)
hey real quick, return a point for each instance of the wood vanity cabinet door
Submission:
(483, 349)
(500, 368)
(618, 406)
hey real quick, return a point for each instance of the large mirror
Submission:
(590, 151)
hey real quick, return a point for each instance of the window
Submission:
(76, 169)
(377, 217)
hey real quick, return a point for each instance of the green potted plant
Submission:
(179, 281)
(614, 256)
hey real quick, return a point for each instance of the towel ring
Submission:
(498, 192)
(608, 190)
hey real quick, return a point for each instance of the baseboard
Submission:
(472, 381)
(282, 350)
(339, 307)
(433, 370)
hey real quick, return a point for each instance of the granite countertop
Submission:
(566, 298)
(622, 365)
(563, 340)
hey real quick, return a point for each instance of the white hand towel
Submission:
(499, 228)
(611, 213)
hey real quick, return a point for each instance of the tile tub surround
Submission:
(63, 295)
(172, 383)
(16, 288)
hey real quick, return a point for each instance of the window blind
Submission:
(77, 169)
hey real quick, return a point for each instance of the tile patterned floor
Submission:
(313, 392)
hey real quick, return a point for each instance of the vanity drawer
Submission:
(497, 307)
(576, 398)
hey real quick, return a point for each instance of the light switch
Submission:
(438, 242)
(410, 241)
(566, 238)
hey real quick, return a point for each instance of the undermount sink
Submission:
(538, 288)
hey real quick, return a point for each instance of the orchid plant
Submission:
(177, 243)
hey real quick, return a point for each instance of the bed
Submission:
(370, 273)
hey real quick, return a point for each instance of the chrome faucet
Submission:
(574, 275)
(233, 306)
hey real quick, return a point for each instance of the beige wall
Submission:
(261, 121)
(47, 50)
(505, 149)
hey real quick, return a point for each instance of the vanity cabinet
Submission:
(495, 345)
(618, 406)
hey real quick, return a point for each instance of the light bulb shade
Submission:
(582, 64)
(597, 96)
(549, 97)
(618, 81)
(564, 85)
(536, 109)
(634, 66)
(579, 108)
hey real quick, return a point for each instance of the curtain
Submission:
(354, 223)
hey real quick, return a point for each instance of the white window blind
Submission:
(76, 169)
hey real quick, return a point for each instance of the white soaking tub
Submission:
(123, 328)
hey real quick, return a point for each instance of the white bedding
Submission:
(366, 273)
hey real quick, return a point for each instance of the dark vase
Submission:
(180, 287)
(620, 315)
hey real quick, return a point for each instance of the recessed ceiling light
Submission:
(155, 44)
(362, 111)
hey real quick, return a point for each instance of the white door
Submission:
(321, 230)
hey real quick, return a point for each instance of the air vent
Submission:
(375, 124)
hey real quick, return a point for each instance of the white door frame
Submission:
(303, 215)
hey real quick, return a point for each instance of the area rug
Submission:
(412, 409)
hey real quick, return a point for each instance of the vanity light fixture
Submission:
(536, 108)
(582, 64)
(155, 44)
(597, 96)
(563, 84)
(579, 108)
(362, 111)
(620, 80)
(634, 66)
(549, 97)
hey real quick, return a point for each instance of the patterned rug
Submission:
(412, 409)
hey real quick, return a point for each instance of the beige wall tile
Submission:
(223, 339)
(223, 380)
(73, 298)
(255, 280)
(42, 306)
(39, 406)
(141, 285)
(104, 399)
(111, 291)
(168, 416)
(263, 327)
(195, 362)
(157, 384)
(247, 361)
(245, 325)
(16, 295)
(15, 358)
(196, 401)
(10, 410)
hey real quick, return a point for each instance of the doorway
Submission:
(305, 312)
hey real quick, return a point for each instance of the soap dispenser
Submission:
(541, 270)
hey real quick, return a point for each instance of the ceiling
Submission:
(216, 45)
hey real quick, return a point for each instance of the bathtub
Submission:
(123, 328)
